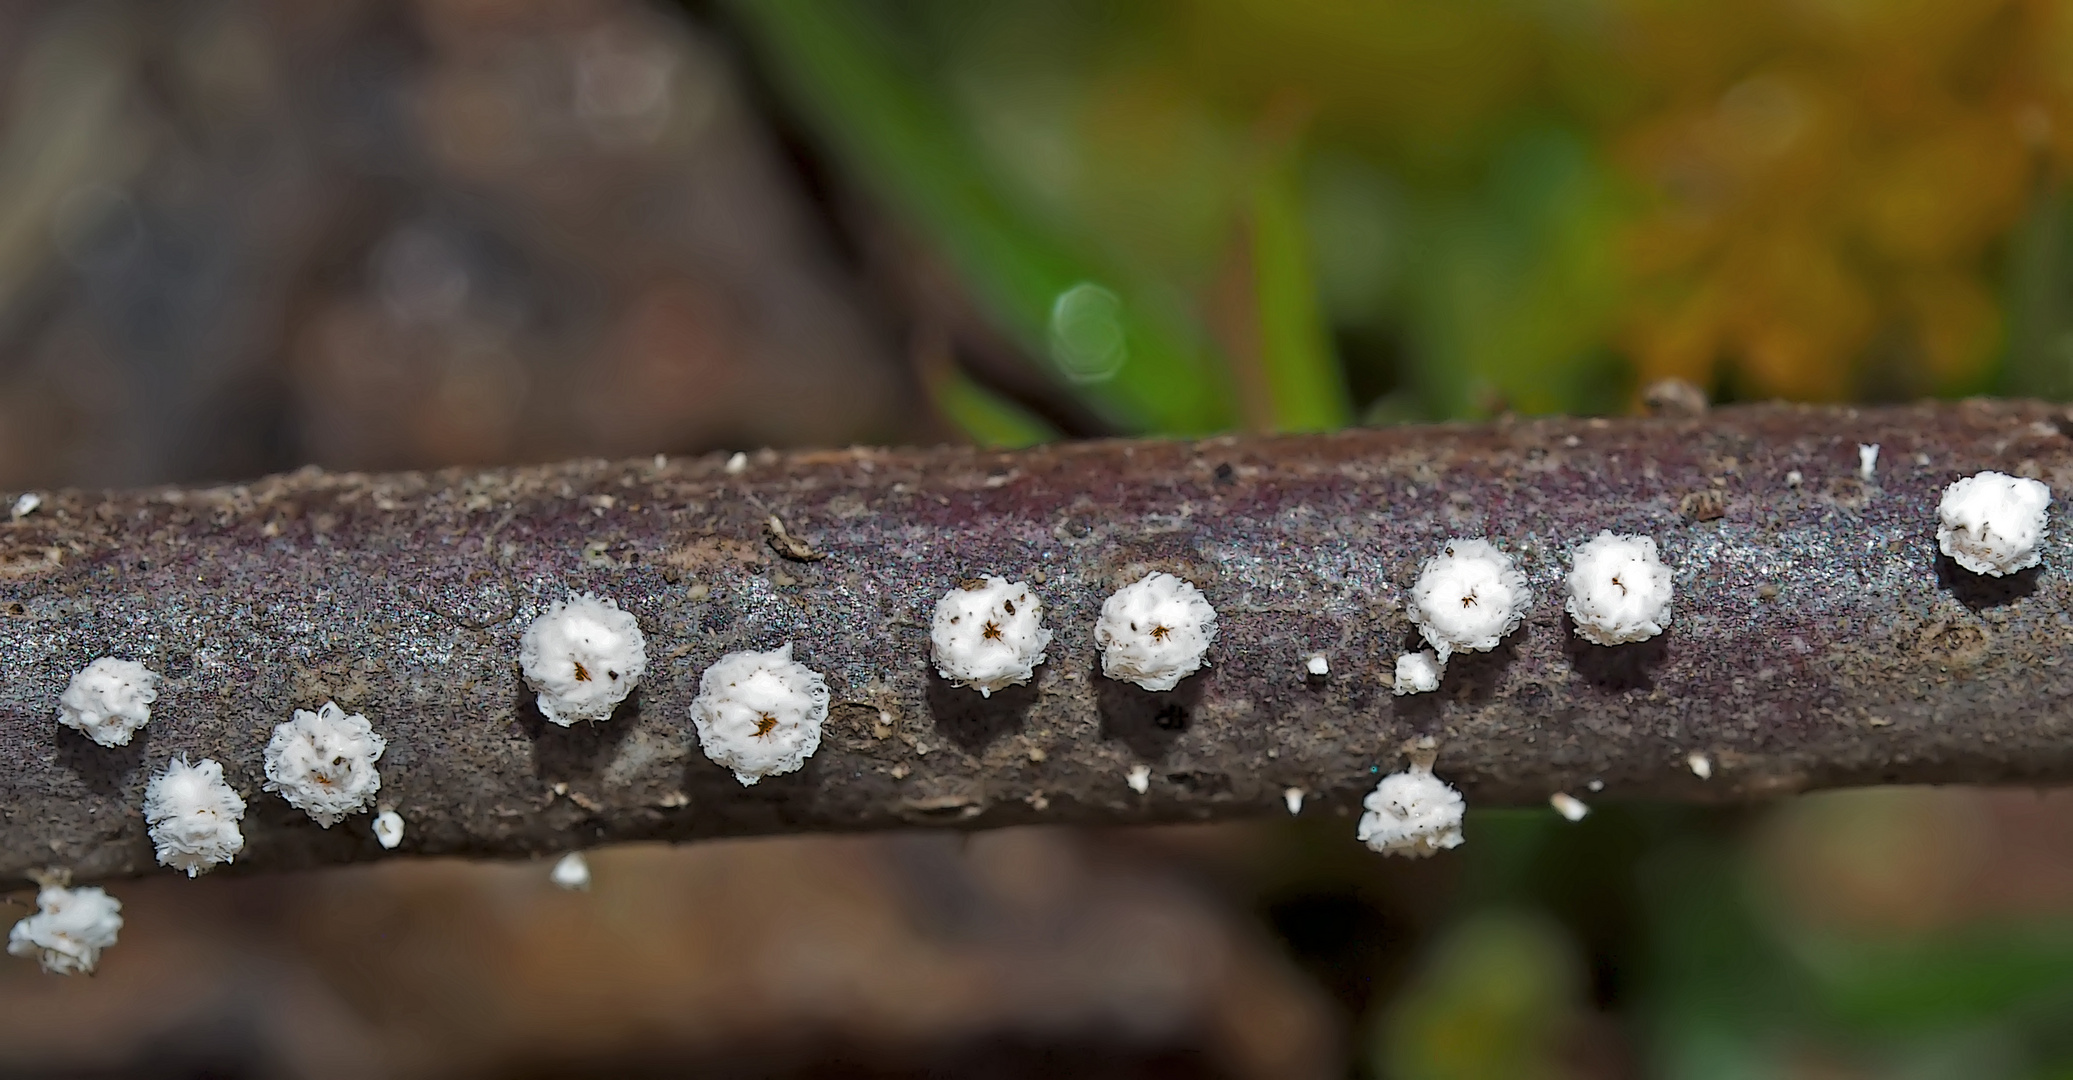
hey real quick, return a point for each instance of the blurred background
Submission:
(245, 235)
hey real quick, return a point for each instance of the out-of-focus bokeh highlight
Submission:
(239, 236)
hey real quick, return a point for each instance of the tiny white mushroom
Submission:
(322, 763)
(1419, 672)
(26, 505)
(1569, 806)
(988, 634)
(1619, 590)
(68, 930)
(1318, 666)
(1701, 765)
(571, 872)
(1993, 523)
(582, 656)
(109, 700)
(388, 829)
(1412, 813)
(737, 463)
(1793, 478)
(1139, 778)
(760, 713)
(1867, 461)
(1293, 797)
(1468, 598)
(194, 814)
(1596, 785)
(1155, 631)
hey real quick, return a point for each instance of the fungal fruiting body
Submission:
(760, 713)
(1139, 778)
(1318, 666)
(323, 763)
(1412, 813)
(1867, 461)
(1155, 631)
(69, 929)
(1569, 806)
(388, 829)
(1293, 799)
(109, 700)
(1619, 590)
(989, 634)
(1700, 765)
(194, 816)
(571, 871)
(1419, 672)
(1468, 597)
(1992, 523)
(582, 657)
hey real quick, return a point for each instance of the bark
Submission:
(1818, 637)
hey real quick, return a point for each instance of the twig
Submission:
(1818, 639)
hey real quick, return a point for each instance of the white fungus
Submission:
(194, 816)
(1793, 478)
(26, 505)
(1701, 765)
(1293, 799)
(1419, 672)
(1867, 461)
(582, 657)
(1468, 598)
(1992, 523)
(388, 829)
(760, 713)
(1596, 785)
(1318, 666)
(1412, 813)
(1569, 806)
(737, 463)
(989, 634)
(1155, 631)
(1139, 778)
(69, 929)
(571, 871)
(109, 700)
(323, 763)
(1619, 590)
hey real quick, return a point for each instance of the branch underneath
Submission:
(1818, 638)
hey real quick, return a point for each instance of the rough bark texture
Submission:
(1818, 638)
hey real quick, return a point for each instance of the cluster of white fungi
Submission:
(760, 714)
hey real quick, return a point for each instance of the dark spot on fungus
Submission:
(582, 673)
(992, 632)
(1009, 605)
(764, 724)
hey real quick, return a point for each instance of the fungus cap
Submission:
(760, 713)
(109, 700)
(388, 829)
(1993, 523)
(1419, 672)
(68, 930)
(582, 656)
(1619, 590)
(194, 814)
(323, 763)
(1411, 813)
(1155, 631)
(1468, 597)
(988, 634)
